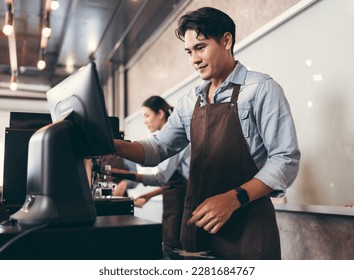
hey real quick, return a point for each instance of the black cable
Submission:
(22, 234)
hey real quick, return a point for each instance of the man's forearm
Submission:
(255, 189)
(130, 150)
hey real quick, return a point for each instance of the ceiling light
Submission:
(46, 30)
(13, 83)
(54, 5)
(8, 30)
(13, 86)
(41, 64)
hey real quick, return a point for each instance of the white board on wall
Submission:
(312, 57)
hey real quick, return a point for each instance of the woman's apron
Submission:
(221, 161)
(173, 202)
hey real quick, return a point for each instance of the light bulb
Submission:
(54, 5)
(46, 32)
(8, 30)
(13, 86)
(41, 64)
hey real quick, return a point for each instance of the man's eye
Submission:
(200, 48)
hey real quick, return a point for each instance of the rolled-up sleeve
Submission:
(152, 154)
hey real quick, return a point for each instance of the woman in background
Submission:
(172, 176)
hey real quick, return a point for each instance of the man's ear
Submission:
(227, 40)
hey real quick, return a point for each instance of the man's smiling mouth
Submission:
(201, 67)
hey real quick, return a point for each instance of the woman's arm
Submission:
(141, 200)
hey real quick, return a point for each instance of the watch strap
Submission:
(242, 196)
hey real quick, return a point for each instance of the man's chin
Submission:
(204, 77)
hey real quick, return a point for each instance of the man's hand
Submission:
(213, 213)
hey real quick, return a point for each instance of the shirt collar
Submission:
(236, 77)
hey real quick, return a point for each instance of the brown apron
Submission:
(221, 161)
(173, 201)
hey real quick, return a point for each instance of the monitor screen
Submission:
(81, 95)
(27, 120)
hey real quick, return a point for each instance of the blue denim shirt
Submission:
(266, 121)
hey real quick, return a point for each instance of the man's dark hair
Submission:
(208, 22)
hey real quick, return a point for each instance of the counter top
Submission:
(110, 237)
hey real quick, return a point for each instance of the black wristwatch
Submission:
(242, 196)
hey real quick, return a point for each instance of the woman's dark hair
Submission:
(208, 22)
(156, 103)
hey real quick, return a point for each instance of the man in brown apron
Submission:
(251, 232)
(243, 147)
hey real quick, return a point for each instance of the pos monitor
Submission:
(58, 190)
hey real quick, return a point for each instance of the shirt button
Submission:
(232, 105)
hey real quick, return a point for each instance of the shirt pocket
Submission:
(244, 115)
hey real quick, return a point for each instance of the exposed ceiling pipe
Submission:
(116, 11)
(68, 15)
(125, 33)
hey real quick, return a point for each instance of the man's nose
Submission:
(195, 58)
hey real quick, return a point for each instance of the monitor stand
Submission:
(58, 191)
